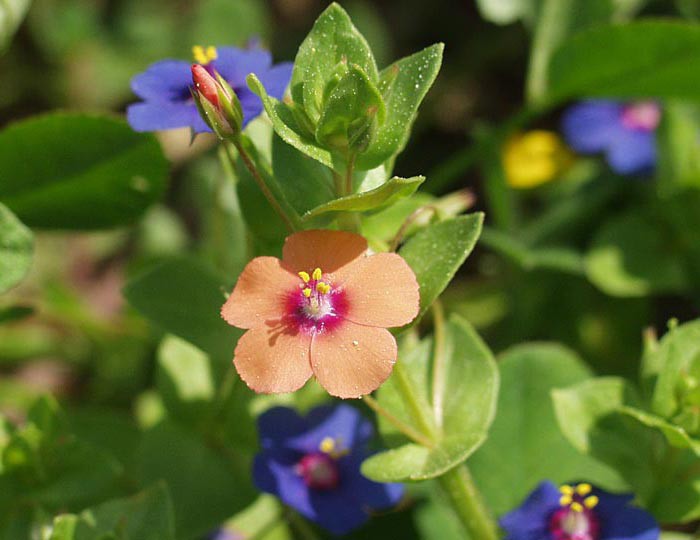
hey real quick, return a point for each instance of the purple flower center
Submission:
(641, 116)
(315, 304)
(319, 471)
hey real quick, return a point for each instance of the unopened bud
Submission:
(216, 102)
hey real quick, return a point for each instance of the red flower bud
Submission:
(205, 84)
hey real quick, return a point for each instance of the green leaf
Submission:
(630, 256)
(184, 297)
(93, 172)
(436, 253)
(184, 379)
(561, 259)
(678, 135)
(148, 515)
(674, 356)
(332, 40)
(509, 465)
(675, 435)
(286, 125)
(11, 14)
(351, 113)
(206, 488)
(385, 195)
(589, 415)
(653, 58)
(403, 86)
(16, 249)
(468, 407)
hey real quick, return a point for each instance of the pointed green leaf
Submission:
(630, 256)
(436, 253)
(387, 194)
(16, 249)
(286, 125)
(332, 40)
(184, 297)
(351, 113)
(403, 86)
(653, 58)
(94, 172)
(148, 515)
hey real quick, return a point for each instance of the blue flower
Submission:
(225, 534)
(625, 132)
(579, 512)
(312, 464)
(165, 87)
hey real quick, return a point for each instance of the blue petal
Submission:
(168, 80)
(336, 512)
(250, 104)
(632, 152)
(160, 115)
(591, 126)
(276, 79)
(282, 480)
(340, 422)
(278, 424)
(234, 64)
(530, 521)
(621, 521)
(365, 492)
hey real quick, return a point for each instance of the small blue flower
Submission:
(225, 534)
(578, 512)
(313, 463)
(625, 132)
(165, 87)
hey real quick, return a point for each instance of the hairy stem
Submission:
(466, 500)
(291, 221)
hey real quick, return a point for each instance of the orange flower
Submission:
(322, 310)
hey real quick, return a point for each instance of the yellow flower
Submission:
(534, 158)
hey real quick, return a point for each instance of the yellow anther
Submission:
(322, 287)
(583, 489)
(591, 502)
(327, 445)
(576, 507)
(306, 292)
(565, 500)
(204, 55)
(304, 276)
(566, 490)
(317, 274)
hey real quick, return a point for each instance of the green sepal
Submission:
(370, 201)
(351, 113)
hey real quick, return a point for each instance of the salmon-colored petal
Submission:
(351, 360)
(260, 293)
(272, 359)
(380, 290)
(327, 250)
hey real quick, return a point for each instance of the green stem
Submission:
(291, 221)
(302, 527)
(399, 424)
(408, 394)
(439, 362)
(552, 26)
(468, 504)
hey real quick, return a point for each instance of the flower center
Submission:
(319, 471)
(317, 297)
(642, 116)
(575, 520)
(204, 55)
